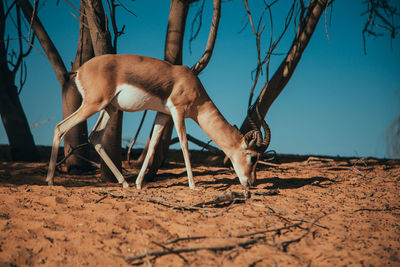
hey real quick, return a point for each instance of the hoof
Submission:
(138, 186)
(125, 185)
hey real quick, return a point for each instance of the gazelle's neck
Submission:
(224, 135)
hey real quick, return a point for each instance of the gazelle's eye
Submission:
(253, 159)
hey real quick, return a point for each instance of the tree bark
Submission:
(72, 100)
(102, 44)
(281, 77)
(173, 54)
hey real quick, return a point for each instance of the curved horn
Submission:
(267, 138)
(253, 137)
(251, 122)
(255, 131)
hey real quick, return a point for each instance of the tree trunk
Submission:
(70, 95)
(172, 54)
(72, 100)
(19, 135)
(102, 44)
(274, 87)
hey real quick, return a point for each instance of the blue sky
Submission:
(338, 102)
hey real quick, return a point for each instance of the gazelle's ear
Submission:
(250, 140)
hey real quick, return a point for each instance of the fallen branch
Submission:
(245, 243)
(276, 230)
(385, 209)
(284, 244)
(158, 253)
(172, 251)
(227, 196)
(186, 239)
(155, 200)
(236, 236)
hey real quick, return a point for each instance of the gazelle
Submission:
(133, 83)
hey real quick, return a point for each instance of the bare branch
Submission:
(305, 29)
(273, 42)
(380, 16)
(9, 9)
(44, 39)
(75, 8)
(197, 17)
(196, 141)
(203, 61)
(124, 7)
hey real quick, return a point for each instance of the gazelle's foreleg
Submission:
(179, 122)
(96, 137)
(159, 124)
(64, 126)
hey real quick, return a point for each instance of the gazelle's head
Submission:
(252, 147)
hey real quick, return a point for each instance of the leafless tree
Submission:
(173, 53)
(94, 39)
(20, 138)
(381, 16)
(306, 17)
(70, 95)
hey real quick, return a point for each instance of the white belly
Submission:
(131, 99)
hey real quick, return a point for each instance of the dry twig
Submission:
(158, 253)
(253, 240)
(385, 209)
(155, 200)
(228, 196)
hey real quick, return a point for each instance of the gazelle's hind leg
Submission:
(159, 124)
(181, 130)
(96, 137)
(80, 115)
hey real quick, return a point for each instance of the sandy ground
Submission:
(315, 212)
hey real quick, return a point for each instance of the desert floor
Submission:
(303, 211)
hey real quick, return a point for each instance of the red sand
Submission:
(334, 213)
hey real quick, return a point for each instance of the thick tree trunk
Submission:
(172, 54)
(102, 44)
(281, 77)
(72, 100)
(19, 135)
